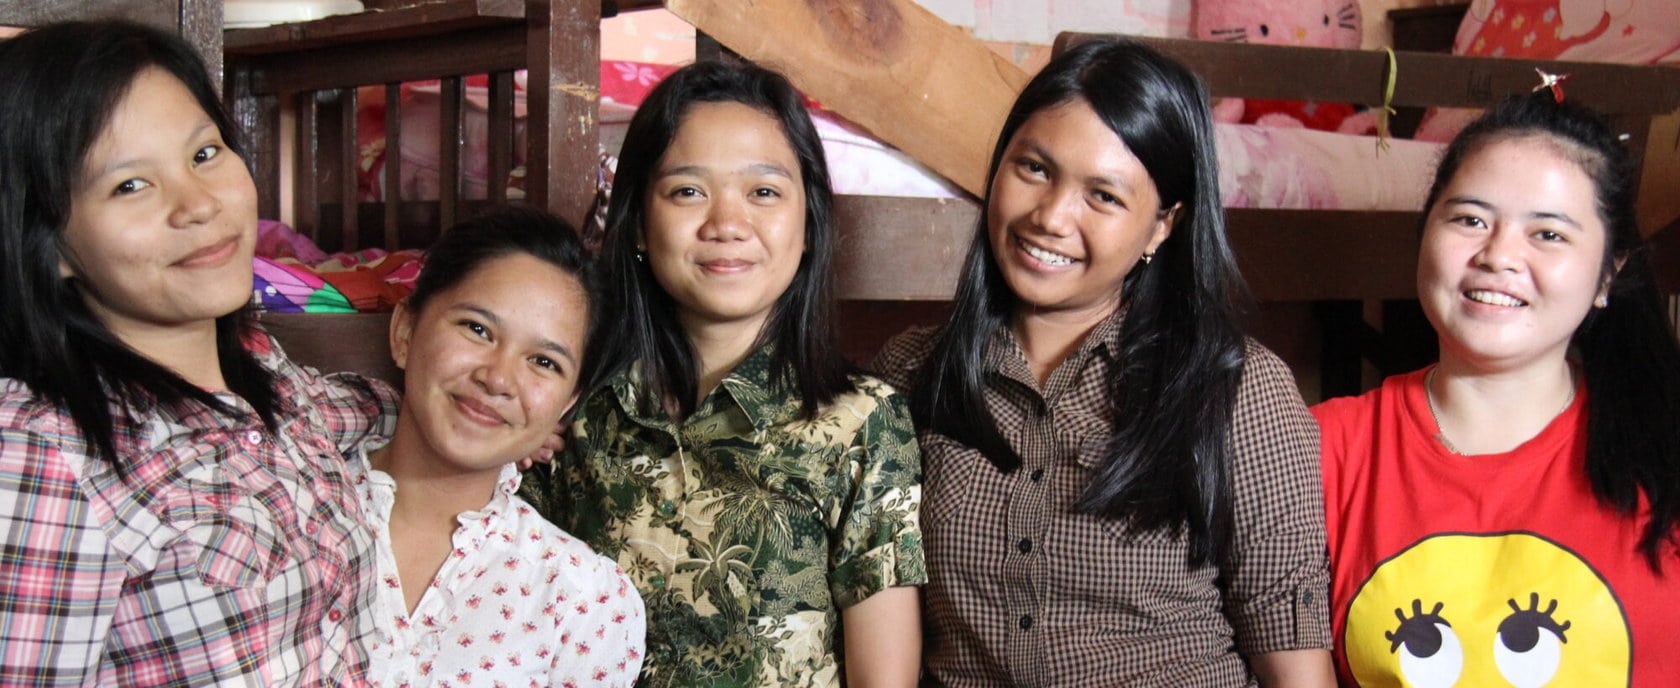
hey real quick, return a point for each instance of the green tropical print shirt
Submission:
(746, 528)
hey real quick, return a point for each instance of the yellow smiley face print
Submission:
(1504, 609)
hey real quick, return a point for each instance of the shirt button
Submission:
(658, 582)
(1026, 622)
(1025, 546)
(1038, 475)
(334, 615)
(253, 437)
(667, 507)
(311, 528)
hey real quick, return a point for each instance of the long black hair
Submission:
(59, 85)
(1182, 351)
(644, 329)
(1627, 349)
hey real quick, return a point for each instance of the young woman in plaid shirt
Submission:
(174, 502)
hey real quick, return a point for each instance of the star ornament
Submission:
(1551, 81)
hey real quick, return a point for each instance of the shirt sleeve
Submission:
(356, 408)
(1277, 577)
(880, 542)
(614, 631)
(59, 580)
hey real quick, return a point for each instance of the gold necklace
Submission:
(1441, 433)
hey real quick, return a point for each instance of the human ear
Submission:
(402, 330)
(1163, 228)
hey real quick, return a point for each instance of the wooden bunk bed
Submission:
(897, 256)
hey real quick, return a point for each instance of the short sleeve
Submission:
(356, 408)
(1277, 576)
(59, 579)
(880, 542)
(607, 641)
(898, 360)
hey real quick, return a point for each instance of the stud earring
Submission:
(1148, 257)
(1603, 301)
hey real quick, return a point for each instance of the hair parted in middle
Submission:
(644, 328)
(1182, 344)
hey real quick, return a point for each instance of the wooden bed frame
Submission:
(897, 257)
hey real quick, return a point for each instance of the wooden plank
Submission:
(901, 249)
(349, 159)
(414, 21)
(258, 118)
(306, 210)
(912, 249)
(913, 80)
(501, 135)
(1311, 255)
(475, 51)
(1425, 79)
(393, 163)
(1659, 191)
(337, 342)
(562, 94)
(450, 104)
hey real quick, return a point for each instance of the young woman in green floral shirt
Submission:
(761, 494)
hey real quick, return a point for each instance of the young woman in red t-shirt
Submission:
(1507, 516)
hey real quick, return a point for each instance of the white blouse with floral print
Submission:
(518, 603)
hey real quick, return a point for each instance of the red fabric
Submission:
(1408, 520)
(1322, 116)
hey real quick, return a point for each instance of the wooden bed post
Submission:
(563, 90)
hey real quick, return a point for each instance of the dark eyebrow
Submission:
(1539, 215)
(546, 344)
(700, 171)
(115, 166)
(1097, 179)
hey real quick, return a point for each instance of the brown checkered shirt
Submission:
(1024, 591)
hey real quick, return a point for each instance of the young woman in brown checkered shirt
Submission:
(1120, 488)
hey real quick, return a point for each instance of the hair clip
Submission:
(1551, 81)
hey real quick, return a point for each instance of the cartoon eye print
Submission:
(1429, 652)
(1530, 644)
(1503, 609)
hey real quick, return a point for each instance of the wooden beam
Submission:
(910, 78)
(911, 249)
(337, 342)
(1252, 70)
(563, 90)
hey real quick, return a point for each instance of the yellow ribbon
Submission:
(1387, 109)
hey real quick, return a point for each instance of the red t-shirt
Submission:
(1494, 570)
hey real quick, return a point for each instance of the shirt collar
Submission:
(1005, 357)
(748, 387)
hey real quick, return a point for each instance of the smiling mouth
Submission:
(1494, 298)
(479, 412)
(211, 255)
(726, 265)
(1049, 258)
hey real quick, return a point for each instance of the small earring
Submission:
(641, 256)
(1603, 301)
(1148, 257)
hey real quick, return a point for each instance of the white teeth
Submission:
(1047, 257)
(1494, 298)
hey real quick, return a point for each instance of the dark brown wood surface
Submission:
(337, 342)
(1425, 79)
(563, 61)
(199, 21)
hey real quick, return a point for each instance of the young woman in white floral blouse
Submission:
(762, 496)
(474, 586)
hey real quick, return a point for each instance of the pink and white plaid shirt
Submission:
(228, 554)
